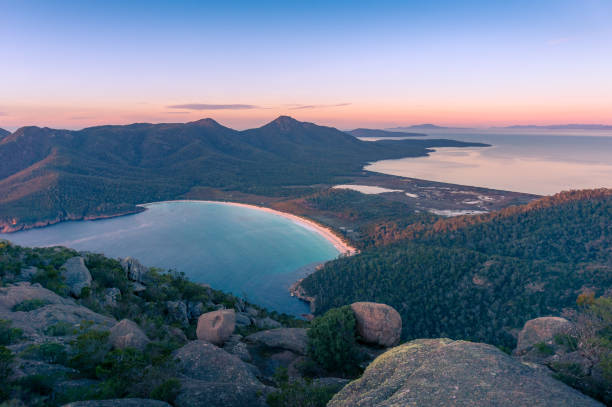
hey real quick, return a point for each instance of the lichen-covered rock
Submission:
(212, 377)
(134, 270)
(541, 330)
(111, 296)
(293, 339)
(119, 403)
(235, 346)
(76, 275)
(58, 309)
(267, 323)
(194, 309)
(16, 294)
(378, 324)
(216, 326)
(177, 312)
(443, 372)
(243, 319)
(127, 334)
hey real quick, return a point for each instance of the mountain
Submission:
(482, 280)
(49, 175)
(382, 133)
(560, 127)
(4, 133)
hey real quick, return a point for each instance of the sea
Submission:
(253, 254)
(541, 163)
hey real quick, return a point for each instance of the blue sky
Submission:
(384, 63)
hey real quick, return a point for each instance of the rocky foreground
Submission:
(85, 331)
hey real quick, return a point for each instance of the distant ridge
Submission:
(382, 133)
(4, 133)
(426, 126)
(561, 127)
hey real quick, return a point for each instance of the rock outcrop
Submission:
(127, 334)
(443, 372)
(134, 270)
(293, 339)
(377, 324)
(76, 275)
(216, 326)
(177, 312)
(266, 323)
(119, 403)
(540, 330)
(212, 377)
(58, 309)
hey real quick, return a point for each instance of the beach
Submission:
(338, 242)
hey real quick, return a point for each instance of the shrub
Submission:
(167, 391)
(61, 328)
(9, 335)
(544, 349)
(30, 305)
(6, 361)
(51, 279)
(298, 393)
(89, 350)
(331, 340)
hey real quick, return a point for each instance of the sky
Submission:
(73, 64)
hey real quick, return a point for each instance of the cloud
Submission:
(177, 112)
(301, 107)
(206, 106)
(3, 114)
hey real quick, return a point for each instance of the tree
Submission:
(331, 340)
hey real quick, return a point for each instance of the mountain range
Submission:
(49, 175)
(4, 133)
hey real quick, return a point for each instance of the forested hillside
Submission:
(481, 281)
(49, 175)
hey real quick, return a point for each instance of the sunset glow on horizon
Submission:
(345, 64)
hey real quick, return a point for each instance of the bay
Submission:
(251, 253)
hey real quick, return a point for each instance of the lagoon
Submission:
(251, 253)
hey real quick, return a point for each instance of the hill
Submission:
(480, 281)
(4, 133)
(49, 175)
(382, 133)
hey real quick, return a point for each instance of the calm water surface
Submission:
(536, 163)
(251, 253)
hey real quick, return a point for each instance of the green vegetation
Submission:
(6, 360)
(479, 281)
(299, 393)
(332, 343)
(9, 335)
(29, 305)
(592, 339)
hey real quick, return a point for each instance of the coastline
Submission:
(337, 241)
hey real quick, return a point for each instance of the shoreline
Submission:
(328, 234)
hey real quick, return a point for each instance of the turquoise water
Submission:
(248, 252)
